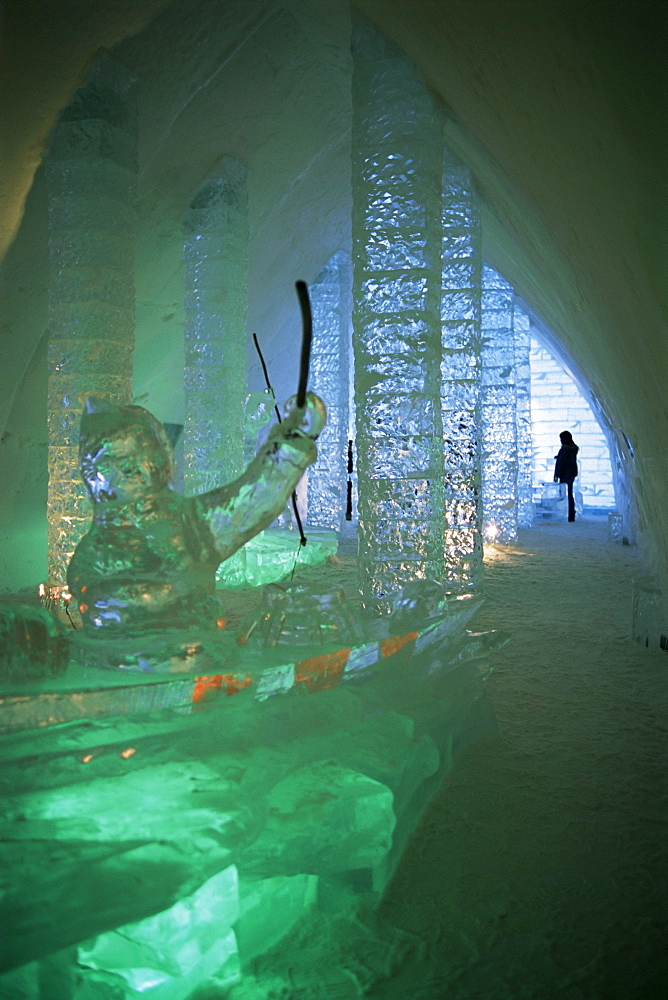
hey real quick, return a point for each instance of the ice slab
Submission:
(260, 900)
(273, 554)
(166, 956)
(324, 818)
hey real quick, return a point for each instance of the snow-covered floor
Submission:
(541, 868)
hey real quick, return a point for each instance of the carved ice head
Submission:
(124, 452)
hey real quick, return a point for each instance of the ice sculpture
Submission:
(522, 349)
(172, 842)
(150, 557)
(33, 645)
(396, 143)
(498, 410)
(615, 527)
(302, 615)
(259, 411)
(330, 357)
(649, 626)
(216, 254)
(91, 172)
(460, 375)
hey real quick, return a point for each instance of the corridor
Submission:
(540, 870)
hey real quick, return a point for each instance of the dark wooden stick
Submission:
(302, 536)
(307, 337)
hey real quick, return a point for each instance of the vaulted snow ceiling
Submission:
(557, 107)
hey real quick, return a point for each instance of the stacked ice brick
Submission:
(522, 344)
(396, 168)
(498, 408)
(460, 375)
(558, 405)
(91, 174)
(216, 254)
(329, 376)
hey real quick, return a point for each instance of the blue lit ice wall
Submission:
(558, 405)
(498, 408)
(460, 375)
(216, 261)
(91, 172)
(330, 378)
(396, 166)
(522, 346)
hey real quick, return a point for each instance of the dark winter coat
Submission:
(566, 466)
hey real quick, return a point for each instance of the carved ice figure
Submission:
(150, 557)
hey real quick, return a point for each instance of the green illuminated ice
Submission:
(150, 557)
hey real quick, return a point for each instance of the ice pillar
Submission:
(396, 144)
(460, 376)
(91, 171)
(216, 256)
(330, 359)
(499, 420)
(522, 350)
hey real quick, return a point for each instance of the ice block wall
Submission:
(216, 258)
(460, 375)
(522, 344)
(91, 172)
(498, 409)
(330, 378)
(396, 166)
(558, 405)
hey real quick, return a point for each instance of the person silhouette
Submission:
(566, 468)
(150, 557)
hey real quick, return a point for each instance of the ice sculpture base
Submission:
(294, 773)
(168, 651)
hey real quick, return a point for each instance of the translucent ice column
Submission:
(522, 351)
(216, 255)
(330, 357)
(499, 420)
(396, 148)
(460, 375)
(91, 171)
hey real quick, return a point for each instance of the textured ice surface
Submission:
(301, 615)
(615, 527)
(329, 373)
(123, 835)
(498, 408)
(216, 255)
(150, 557)
(168, 955)
(273, 555)
(648, 624)
(33, 645)
(396, 331)
(522, 345)
(91, 173)
(260, 900)
(461, 248)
